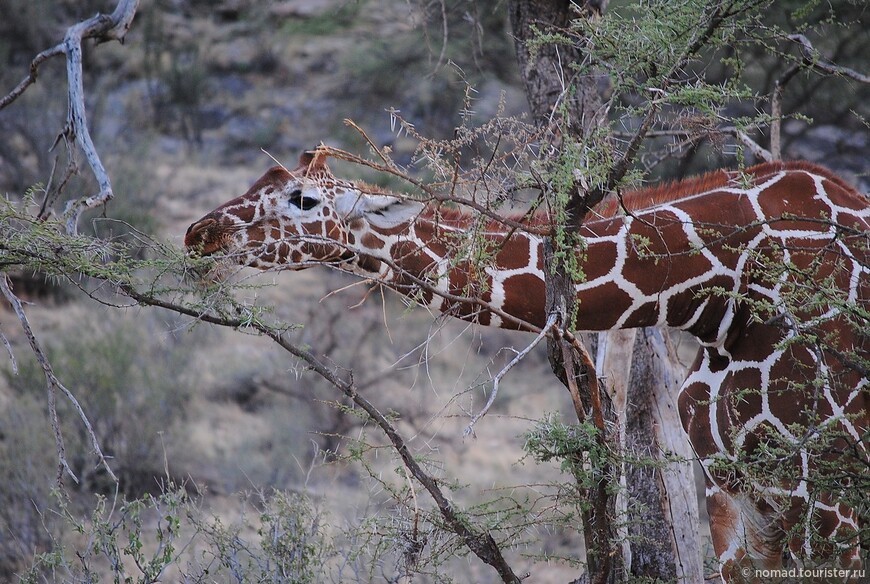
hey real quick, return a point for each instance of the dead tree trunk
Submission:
(667, 520)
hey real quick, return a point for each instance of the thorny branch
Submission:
(480, 542)
(776, 111)
(811, 60)
(389, 168)
(102, 27)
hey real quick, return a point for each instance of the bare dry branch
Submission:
(500, 375)
(776, 111)
(53, 385)
(102, 27)
(815, 61)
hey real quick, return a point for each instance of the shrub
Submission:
(27, 465)
(279, 538)
(131, 388)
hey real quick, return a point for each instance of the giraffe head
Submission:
(298, 218)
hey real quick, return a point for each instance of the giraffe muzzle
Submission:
(201, 239)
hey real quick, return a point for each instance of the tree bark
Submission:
(658, 500)
(653, 429)
(547, 71)
(599, 517)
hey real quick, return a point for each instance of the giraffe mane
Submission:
(635, 199)
(670, 191)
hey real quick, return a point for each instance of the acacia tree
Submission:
(561, 55)
(567, 99)
(573, 134)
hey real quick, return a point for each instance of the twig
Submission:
(551, 320)
(594, 386)
(31, 77)
(571, 381)
(815, 61)
(11, 353)
(53, 384)
(776, 111)
(369, 141)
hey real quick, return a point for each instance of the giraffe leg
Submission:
(746, 539)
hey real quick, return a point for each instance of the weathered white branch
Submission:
(498, 377)
(776, 110)
(753, 146)
(102, 27)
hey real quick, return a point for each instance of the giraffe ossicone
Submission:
(769, 268)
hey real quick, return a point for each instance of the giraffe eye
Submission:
(297, 199)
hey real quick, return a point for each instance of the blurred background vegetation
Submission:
(206, 422)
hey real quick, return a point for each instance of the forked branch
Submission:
(816, 62)
(812, 60)
(102, 27)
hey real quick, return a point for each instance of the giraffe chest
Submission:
(764, 390)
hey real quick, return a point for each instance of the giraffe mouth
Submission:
(204, 238)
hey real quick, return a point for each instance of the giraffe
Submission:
(717, 256)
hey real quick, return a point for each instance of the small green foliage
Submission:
(280, 538)
(576, 447)
(641, 245)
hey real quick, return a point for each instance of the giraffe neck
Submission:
(427, 259)
(679, 260)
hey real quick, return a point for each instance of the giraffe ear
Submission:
(313, 160)
(379, 210)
